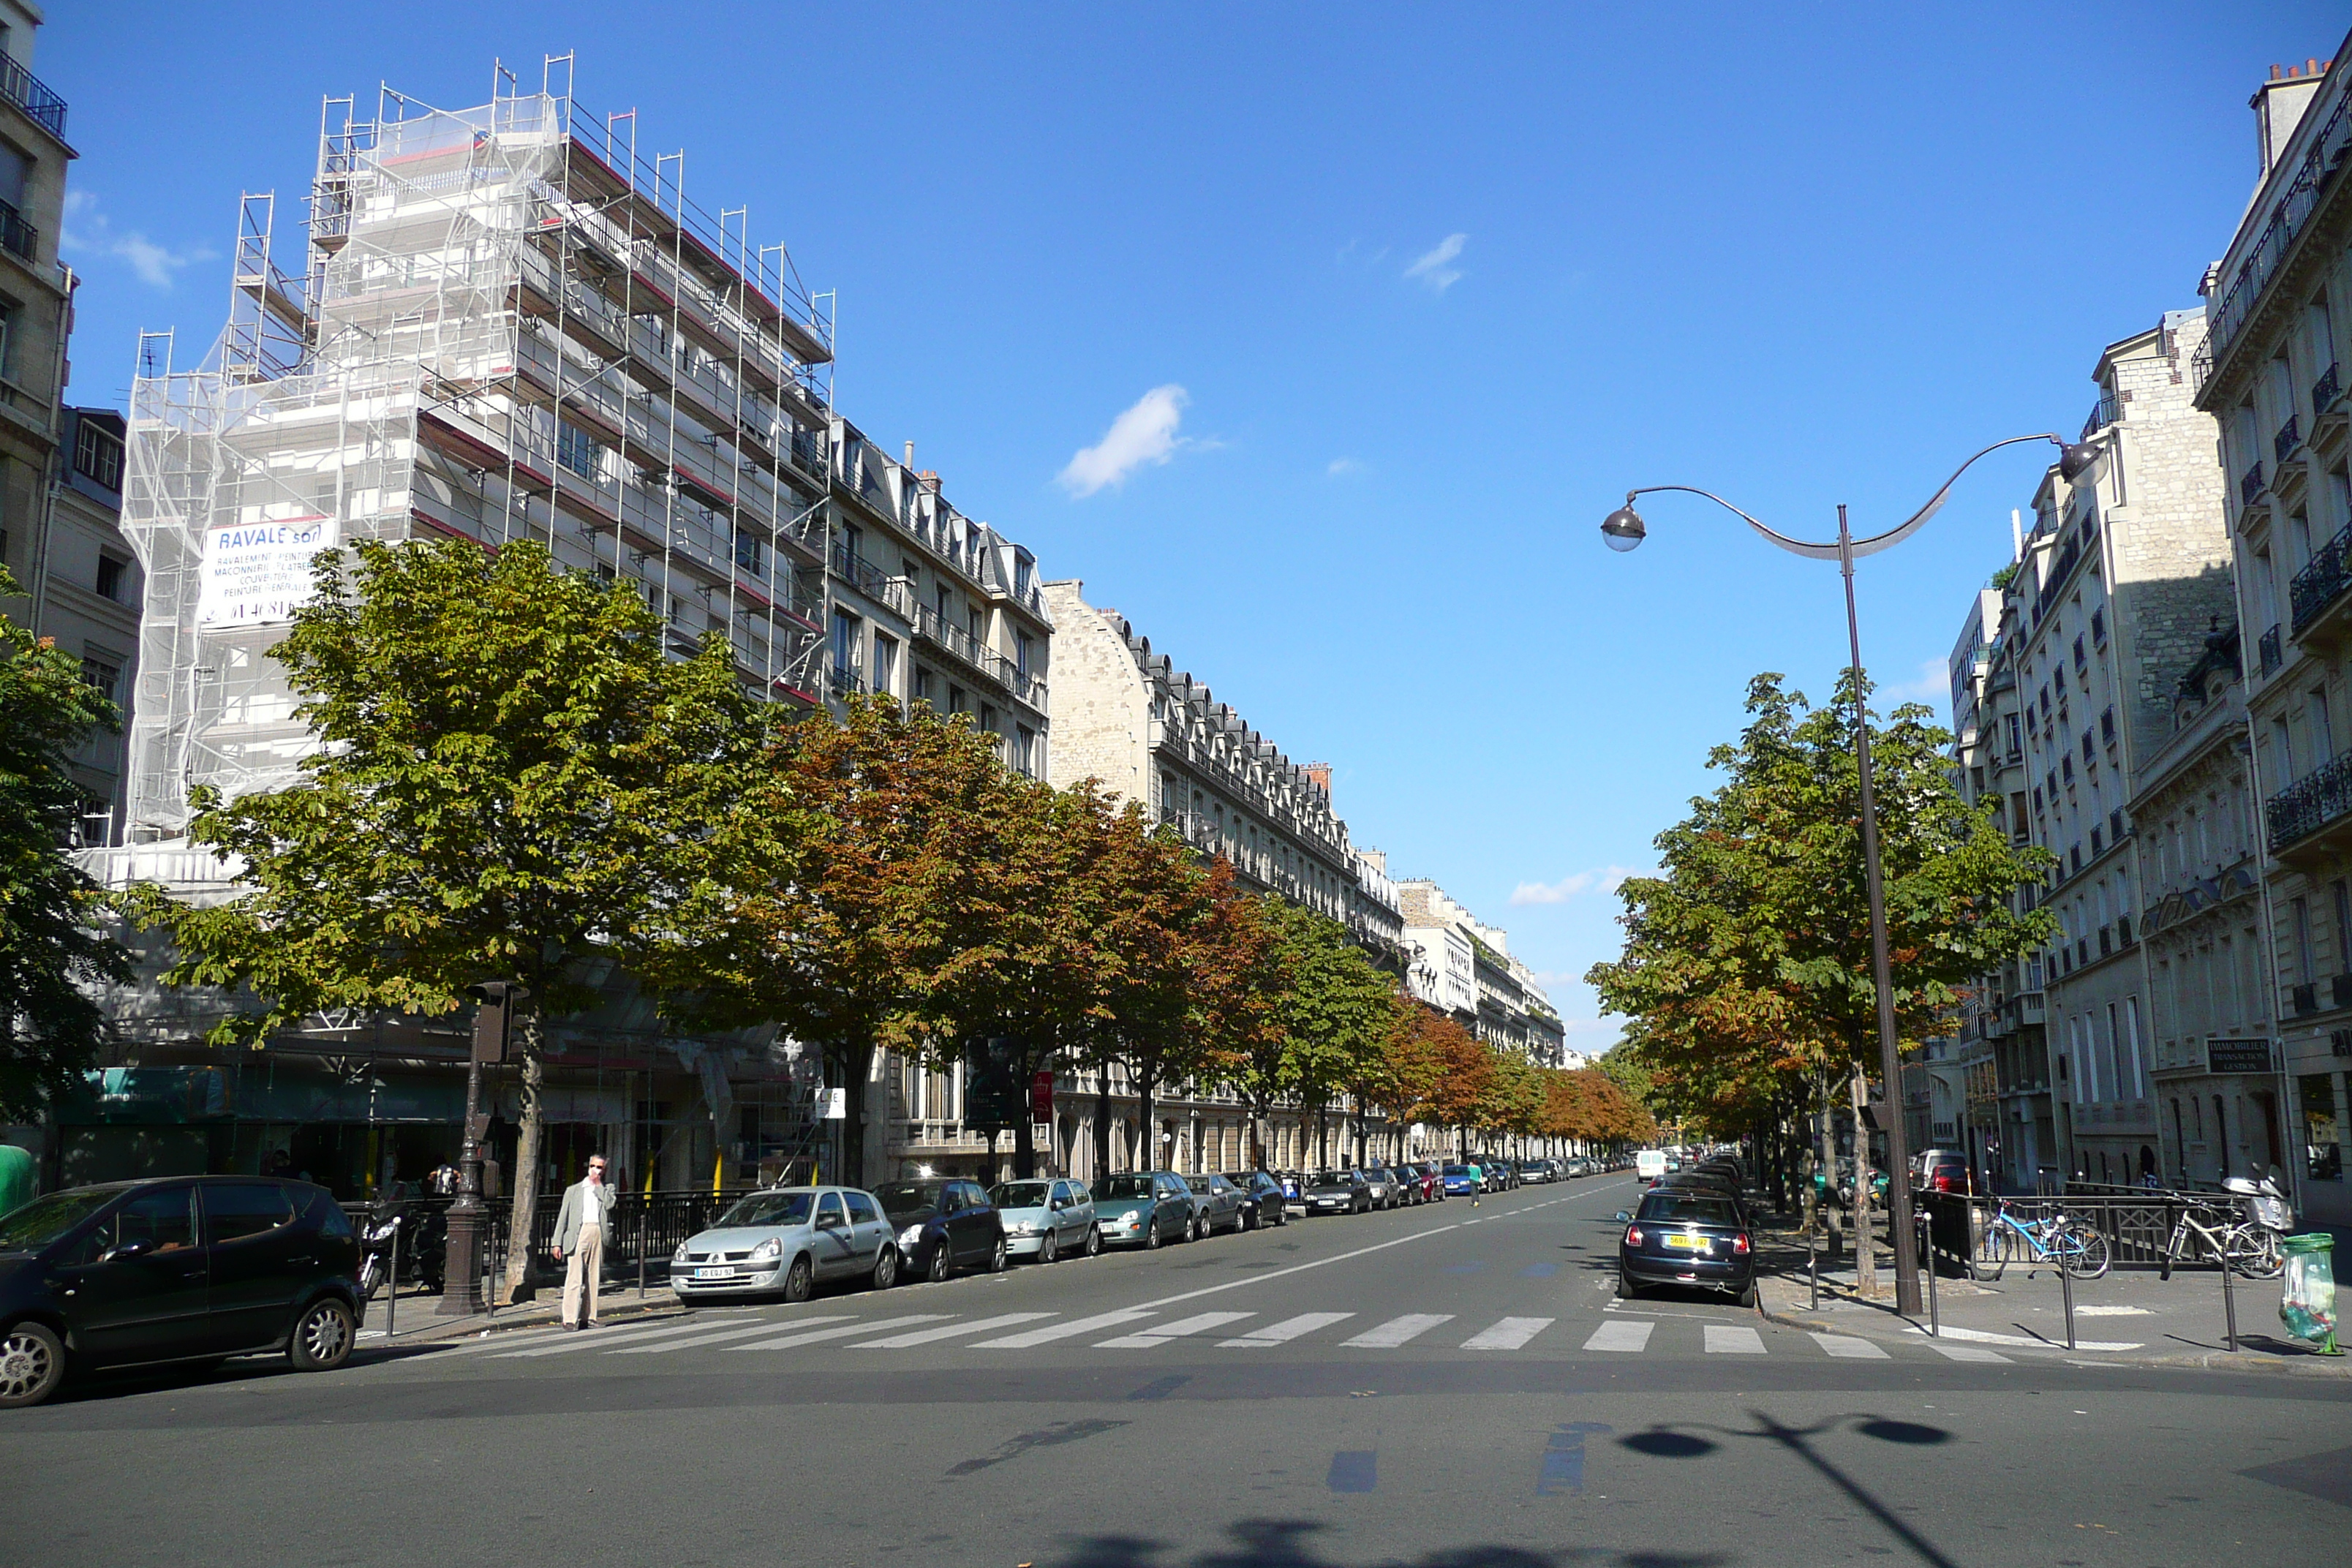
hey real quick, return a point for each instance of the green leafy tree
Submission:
(508, 762)
(1335, 1009)
(53, 943)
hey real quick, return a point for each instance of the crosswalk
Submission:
(1143, 1329)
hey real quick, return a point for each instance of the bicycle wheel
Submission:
(2082, 1253)
(2253, 1252)
(1994, 1253)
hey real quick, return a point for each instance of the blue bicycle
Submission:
(2054, 1241)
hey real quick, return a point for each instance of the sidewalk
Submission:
(2129, 1315)
(417, 1320)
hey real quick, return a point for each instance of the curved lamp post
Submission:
(1623, 530)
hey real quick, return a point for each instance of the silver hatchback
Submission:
(785, 1240)
(1047, 1218)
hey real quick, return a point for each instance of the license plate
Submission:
(719, 1273)
(1688, 1243)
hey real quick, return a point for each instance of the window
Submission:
(844, 641)
(97, 453)
(829, 1211)
(1022, 642)
(747, 551)
(2099, 627)
(2341, 892)
(862, 1210)
(2322, 733)
(2081, 660)
(162, 1220)
(2107, 726)
(955, 698)
(1023, 572)
(239, 1211)
(886, 663)
(1025, 743)
(575, 448)
(923, 692)
(104, 678)
(2299, 912)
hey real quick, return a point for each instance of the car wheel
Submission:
(322, 1337)
(1094, 1240)
(800, 1280)
(1748, 1296)
(999, 1257)
(32, 1364)
(942, 1265)
(886, 1268)
(1046, 1251)
(1626, 1290)
(1152, 1235)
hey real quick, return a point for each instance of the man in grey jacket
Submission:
(580, 1227)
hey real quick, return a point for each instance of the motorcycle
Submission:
(2274, 1217)
(422, 1235)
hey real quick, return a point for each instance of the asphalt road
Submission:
(1442, 1387)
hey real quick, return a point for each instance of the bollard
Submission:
(392, 1293)
(643, 1214)
(2066, 1290)
(1813, 1269)
(2229, 1301)
(1927, 1251)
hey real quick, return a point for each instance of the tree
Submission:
(1402, 1074)
(1335, 1009)
(52, 942)
(1464, 1082)
(509, 764)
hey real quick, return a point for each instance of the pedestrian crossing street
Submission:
(1147, 1329)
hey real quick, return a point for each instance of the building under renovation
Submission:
(499, 323)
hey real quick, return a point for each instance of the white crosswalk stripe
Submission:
(847, 1330)
(1630, 1335)
(1846, 1348)
(1284, 1331)
(1730, 1338)
(928, 1336)
(694, 1342)
(1397, 1330)
(1508, 1334)
(1161, 1333)
(1970, 1354)
(602, 1339)
(1045, 1336)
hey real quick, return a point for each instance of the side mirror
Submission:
(128, 1250)
(828, 1222)
(1624, 1218)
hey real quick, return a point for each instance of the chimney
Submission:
(910, 455)
(2279, 104)
(1321, 774)
(927, 478)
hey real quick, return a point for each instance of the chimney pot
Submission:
(2310, 67)
(910, 453)
(2277, 71)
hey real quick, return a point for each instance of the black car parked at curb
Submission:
(180, 1269)
(1264, 1201)
(943, 1223)
(1684, 1236)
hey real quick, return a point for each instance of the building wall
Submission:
(35, 306)
(88, 599)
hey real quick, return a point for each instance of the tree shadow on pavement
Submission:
(1289, 1543)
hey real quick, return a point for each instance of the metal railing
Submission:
(2105, 412)
(2322, 581)
(2250, 485)
(2289, 437)
(17, 235)
(2295, 208)
(2310, 803)
(2324, 392)
(27, 92)
(2267, 645)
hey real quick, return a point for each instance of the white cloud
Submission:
(1144, 434)
(1436, 268)
(1606, 880)
(1339, 466)
(91, 231)
(1933, 686)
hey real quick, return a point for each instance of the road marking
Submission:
(1397, 1330)
(1628, 1334)
(1730, 1338)
(926, 1336)
(1508, 1334)
(816, 1335)
(1302, 1267)
(1847, 1348)
(2031, 1342)
(1284, 1331)
(1045, 1336)
(687, 1344)
(1970, 1354)
(1354, 1471)
(503, 1342)
(1161, 1333)
(596, 1340)
(1539, 1271)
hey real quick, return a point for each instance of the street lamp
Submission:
(1623, 530)
(468, 1220)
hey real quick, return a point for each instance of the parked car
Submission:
(787, 1239)
(1217, 1203)
(1467, 1180)
(1265, 1200)
(1047, 1218)
(1535, 1172)
(1422, 1184)
(1947, 1175)
(1337, 1192)
(1385, 1186)
(942, 1224)
(179, 1268)
(1144, 1208)
(1682, 1236)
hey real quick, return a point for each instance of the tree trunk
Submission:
(1102, 1122)
(1865, 1257)
(856, 1065)
(1148, 1155)
(518, 1284)
(1025, 1146)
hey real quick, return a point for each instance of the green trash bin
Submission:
(2307, 1304)
(16, 1177)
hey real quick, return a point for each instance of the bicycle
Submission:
(2057, 1241)
(2248, 1249)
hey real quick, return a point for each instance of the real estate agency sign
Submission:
(259, 573)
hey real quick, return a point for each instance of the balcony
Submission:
(2268, 645)
(2298, 199)
(2323, 393)
(2289, 437)
(2317, 596)
(845, 681)
(23, 89)
(17, 235)
(2299, 813)
(2250, 485)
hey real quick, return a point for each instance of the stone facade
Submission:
(2271, 375)
(35, 301)
(87, 598)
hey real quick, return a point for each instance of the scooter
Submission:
(2273, 1217)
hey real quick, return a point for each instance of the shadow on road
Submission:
(1290, 1544)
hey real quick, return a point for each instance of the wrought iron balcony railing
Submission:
(2326, 391)
(26, 91)
(17, 235)
(2289, 437)
(2250, 485)
(2271, 656)
(2321, 583)
(2311, 803)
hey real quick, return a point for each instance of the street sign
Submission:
(2238, 1056)
(1041, 1098)
(994, 1085)
(836, 1104)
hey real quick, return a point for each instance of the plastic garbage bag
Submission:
(2308, 1306)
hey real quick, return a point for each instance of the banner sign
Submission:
(2238, 1056)
(1041, 1098)
(259, 573)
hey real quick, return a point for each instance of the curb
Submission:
(509, 1321)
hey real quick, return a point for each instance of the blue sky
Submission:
(1397, 301)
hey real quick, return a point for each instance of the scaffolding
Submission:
(506, 324)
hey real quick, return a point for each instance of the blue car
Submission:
(1466, 1181)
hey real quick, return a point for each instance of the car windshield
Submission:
(768, 1208)
(45, 1219)
(1126, 1187)
(1020, 1194)
(1197, 1184)
(906, 1197)
(1685, 1208)
(1333, 1178)
(1457, 1170)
